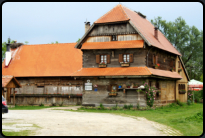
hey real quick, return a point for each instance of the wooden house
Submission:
(44, 72)
(123, 47)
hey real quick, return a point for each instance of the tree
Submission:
(187, 40)
(78, 40)
(26, 42)
(201, 78)
(4, 49)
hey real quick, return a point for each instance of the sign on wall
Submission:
(88, 86)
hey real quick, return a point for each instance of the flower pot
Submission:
(128, 86)
(119, 86)
(156, 67)
(102, 65)
(125, 64)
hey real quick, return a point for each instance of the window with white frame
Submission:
(126, 57)
(103, 58)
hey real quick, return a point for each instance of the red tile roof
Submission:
(114, 15)
(126, 71)
(7, 79)
(121, 13)
(113, 44)
(165, 73)
(44, 60)
(113, 71)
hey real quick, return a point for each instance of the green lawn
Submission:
(185, 118)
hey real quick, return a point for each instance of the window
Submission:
(157, 85)
(179, 65)
(181, 87)
(114, 38)
(103, 58)
(126, 57)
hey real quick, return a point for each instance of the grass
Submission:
(188, 119)
(20, 133)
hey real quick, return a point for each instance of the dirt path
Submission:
(67, 123)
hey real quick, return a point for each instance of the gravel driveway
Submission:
(68, 123)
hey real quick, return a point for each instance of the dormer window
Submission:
(114, 37)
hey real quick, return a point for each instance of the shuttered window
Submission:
(120, 58)
(126, 58)
(103, 58)
(108, 59)
(98, 59)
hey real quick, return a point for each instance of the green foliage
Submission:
(78, 40)
(197, 117)
(190, 95)
(201, 78)
(189, 102)
(26, 42)
(41, 104)
(101, 106)
(188, 40)
(125, 106)
(180, 103)
(138, 106)
(150, 94)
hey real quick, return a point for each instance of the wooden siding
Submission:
(184, 80)
(89, 57)
(163, 58)
(111, 29)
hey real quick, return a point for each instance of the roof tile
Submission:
(44, 60)
(113, 44)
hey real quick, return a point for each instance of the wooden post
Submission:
(14, 96)
(8, 95)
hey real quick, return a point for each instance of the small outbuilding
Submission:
(9, 83)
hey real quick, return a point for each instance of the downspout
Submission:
(147, 56)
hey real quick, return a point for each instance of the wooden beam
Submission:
(14, 96)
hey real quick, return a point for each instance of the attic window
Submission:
(114, 37)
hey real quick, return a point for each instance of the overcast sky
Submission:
(46, 22)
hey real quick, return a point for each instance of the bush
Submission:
(101, 106)
(41, 104)
(189, 102)
(125, 106)
(129, 106)
(138, 106)
(180, 103)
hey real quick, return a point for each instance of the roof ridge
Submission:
(48, 44)
(123, 11)
(106, 13)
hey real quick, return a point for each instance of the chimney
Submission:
(156, 32)
(87, 26)
(8, 45)
(8, 54)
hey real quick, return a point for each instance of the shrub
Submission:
(125, 106)
(189, 102)
(129, 106)
(150, 93)
(101, 106)
(41, 104)
(180, 103)
(138, 106)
